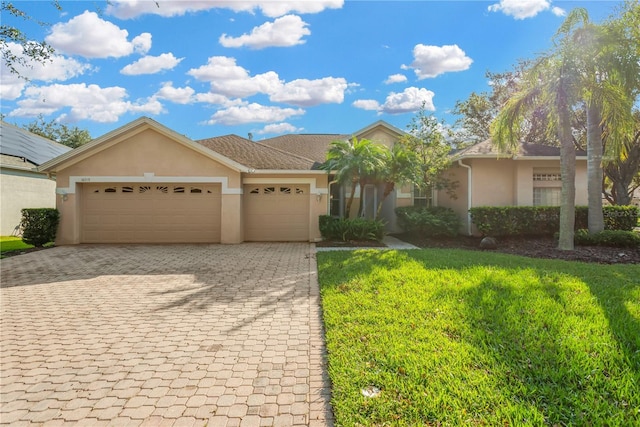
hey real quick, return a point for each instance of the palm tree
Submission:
(402, 166)
(602, 67)
(551, 81)
(355, 162)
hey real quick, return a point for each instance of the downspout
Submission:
(469, 194)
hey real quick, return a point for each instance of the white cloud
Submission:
(367, 104)
(92, 37)
(126, 9)
(59, 68)
(279, 128)
(409, 100)
(431, 61)
(558, 11)
(178, 95)
(253, 113)
(283, 32)
(306, 93)
(395, 78)
(151, 64)
(214, 98)
(520, 9)
(92, 102)
(234, 81)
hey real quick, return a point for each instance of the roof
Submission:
(21, 143)
(256, 155)
(135, 126)
(487, 149)
(312, 146)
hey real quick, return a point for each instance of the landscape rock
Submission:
(488, 243)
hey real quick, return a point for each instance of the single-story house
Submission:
(145, 183)
(21, 185)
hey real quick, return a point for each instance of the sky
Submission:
(212, 68)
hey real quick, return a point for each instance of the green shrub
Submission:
(614, 238)
(544, 220)
(620, 217)
(346, 229)
(434, 221)
(39, 226)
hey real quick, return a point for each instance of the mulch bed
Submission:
(538, 247)
(350, 244)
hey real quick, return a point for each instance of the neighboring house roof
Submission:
(256, 155)
(23, 144)
(486, 149)
(380, 123)
(312, 146)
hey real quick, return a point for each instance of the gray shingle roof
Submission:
(313, 146)
(256, 155)
(24, 144)
(487, 149)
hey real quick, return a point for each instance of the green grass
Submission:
(11, 243)
(453, 337)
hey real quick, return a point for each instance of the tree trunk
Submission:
(350, 201)
(594, 168)
(388, 189)
(361, 207)
(568, 172)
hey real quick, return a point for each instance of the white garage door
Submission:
(150, 213)
(276, 213)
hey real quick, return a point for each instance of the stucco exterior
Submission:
(21, 189)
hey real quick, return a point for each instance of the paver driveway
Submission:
(116, 335)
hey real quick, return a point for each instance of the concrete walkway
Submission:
(389, 241)
(164, 335)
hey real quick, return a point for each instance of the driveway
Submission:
(128, 335)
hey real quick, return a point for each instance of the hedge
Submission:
(346, 229)
(434, 221)
(544, 220)
(39, 226)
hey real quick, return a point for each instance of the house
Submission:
(145, 183)
(21, 185)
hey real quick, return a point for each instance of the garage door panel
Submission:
(276, 212)
(134, 213)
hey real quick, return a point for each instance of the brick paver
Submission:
(163, 335)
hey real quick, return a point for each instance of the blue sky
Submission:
(209, 68)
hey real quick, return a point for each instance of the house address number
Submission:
(85, 179)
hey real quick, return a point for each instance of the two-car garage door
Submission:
(150, 213)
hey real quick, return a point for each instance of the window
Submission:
(547, 187)
(422, 197)
(546, 196)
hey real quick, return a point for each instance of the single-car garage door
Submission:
(276, 213)
(150, 213)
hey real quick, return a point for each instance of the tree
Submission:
(551, 82)
(426, 138)
(601, 67)
(70, 136)
(401, 166)
(31, 50)
(622, 175)
(355, 162)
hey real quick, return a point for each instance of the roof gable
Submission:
(127, 131)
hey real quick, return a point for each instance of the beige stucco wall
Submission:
(503, 182)
(380, 135)
(147, 155)
(19, 190)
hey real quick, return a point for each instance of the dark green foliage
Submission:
(345, 229)
(614, 238)
(620, 217)
(39, 226)
(428, 221)
(543, 220)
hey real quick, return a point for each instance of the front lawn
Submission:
(454, 337)
(11, 243)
